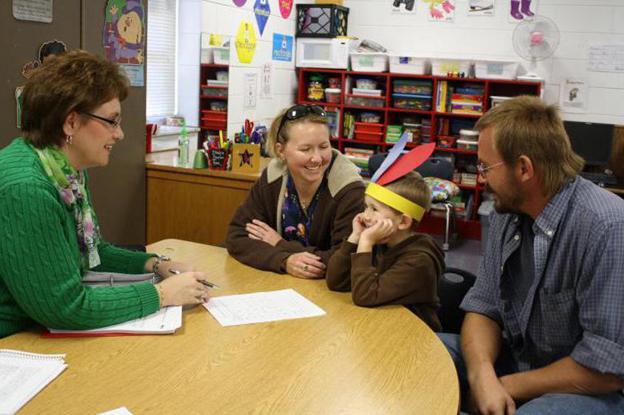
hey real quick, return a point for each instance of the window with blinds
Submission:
(161, 57)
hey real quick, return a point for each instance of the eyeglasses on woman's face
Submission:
(112, 123)
(297, 111)
(483, 168)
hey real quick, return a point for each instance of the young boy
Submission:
(384, 260)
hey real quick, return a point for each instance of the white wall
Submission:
(223, 17)
(189, 32)
(582, 23)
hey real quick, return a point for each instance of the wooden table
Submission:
(351, 361)
(193, 204)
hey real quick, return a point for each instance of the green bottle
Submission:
(183, 152)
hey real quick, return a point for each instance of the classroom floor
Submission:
(463, 254)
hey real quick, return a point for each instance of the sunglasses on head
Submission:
(297, 111)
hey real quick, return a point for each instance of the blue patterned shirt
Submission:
(575, 304)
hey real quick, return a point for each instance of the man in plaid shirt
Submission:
(544, 325)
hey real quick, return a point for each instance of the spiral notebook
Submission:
(23, 375)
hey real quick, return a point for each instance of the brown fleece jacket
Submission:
(405, 274)
(338, 203)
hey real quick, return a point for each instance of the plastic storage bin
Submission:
(369, 62)
(215, 91)
(412, 86)
(214, 120)
(327, 20)
(365, 101)
(468, 145)
(412, 101)
(444, 66)
(221, 55)
(409, 64)
(496, 69)
(332, 95)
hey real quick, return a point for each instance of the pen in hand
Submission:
(204, 282)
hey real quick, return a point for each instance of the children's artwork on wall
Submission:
(522, 10)
(441, 10)
(124, 37)
(262, 10)
(481, 8)
(403, 6)
(285, 7)
(245, 42)
(266, 81)
(53, 47)
(282, 47)
(573, 95)
(239, 3)
(33, 10)
(250, 90)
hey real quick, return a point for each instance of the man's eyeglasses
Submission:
(114, 124)
(297, 111)
(483, 169)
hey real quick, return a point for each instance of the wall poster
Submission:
(124, 37)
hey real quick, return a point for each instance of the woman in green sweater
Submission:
(49, 236)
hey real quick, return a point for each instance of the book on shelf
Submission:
(165, 321)
(24, 375)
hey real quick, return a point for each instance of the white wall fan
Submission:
(535, 40)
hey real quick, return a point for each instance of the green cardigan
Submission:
(40, 276)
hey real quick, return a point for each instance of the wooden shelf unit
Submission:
(391, 115)
(210, 121)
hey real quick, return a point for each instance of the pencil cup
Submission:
(246, 158)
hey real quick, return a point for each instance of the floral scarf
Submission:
(70, 185)
(297, 221)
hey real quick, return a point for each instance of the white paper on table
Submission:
(122, 410)
(260, 307)
(165, 321)
(23, 375)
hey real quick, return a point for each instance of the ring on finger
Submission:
(305, 267)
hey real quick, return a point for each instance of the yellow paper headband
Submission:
(395, 201)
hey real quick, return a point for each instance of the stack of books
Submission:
(467, 100)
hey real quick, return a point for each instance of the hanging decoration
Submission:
(245, 42)
(285, 7)
(262, 10)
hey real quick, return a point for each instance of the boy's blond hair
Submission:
(413, 188)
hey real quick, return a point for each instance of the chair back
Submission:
(432, 167)
(452, 287)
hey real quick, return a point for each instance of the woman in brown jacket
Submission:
(301, 208)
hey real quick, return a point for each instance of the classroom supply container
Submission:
(332, 95)
(412, 86)
(222, 76)
(468, 145)
(215, 91)
(364, 101)
(495, 100)
(369, 62)
(368, 131)
(326, 20)
(366, 83)
(412, 101)
(370, 117)
(496, 69)
(409, 64)
(468, 135)
(446, 67)
(213, 120)
(221, 55)
(367, 92)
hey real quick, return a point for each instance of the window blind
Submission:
(161, 57)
